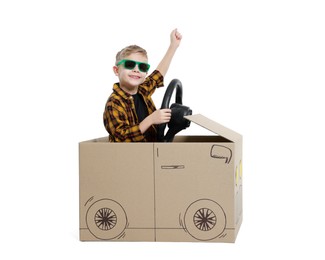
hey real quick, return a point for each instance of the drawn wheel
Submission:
(205, 219)
(106, 219)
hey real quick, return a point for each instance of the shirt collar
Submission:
(120, 92)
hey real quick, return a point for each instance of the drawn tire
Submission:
(106, 219)
(205, 219)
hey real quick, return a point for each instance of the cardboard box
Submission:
(188, 190)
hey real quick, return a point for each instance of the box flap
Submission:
(214, 127)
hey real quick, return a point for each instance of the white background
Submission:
(256, 67)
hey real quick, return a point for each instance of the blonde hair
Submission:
(129, 50)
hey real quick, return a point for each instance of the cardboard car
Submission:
(187, 190)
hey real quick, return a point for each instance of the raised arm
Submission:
(175, 40)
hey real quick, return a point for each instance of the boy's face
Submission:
(130, 79)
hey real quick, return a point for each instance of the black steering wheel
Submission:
(177, 121)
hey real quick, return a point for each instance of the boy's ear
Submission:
(115, 70)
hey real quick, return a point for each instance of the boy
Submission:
(130, 114)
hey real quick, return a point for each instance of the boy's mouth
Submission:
(135, 77)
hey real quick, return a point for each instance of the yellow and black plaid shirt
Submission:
(120, 117)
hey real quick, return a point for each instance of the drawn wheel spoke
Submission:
(105, 219)
(204, 219)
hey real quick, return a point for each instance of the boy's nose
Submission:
(136, 68)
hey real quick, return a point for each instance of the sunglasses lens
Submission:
(143, 67)
(129, 64)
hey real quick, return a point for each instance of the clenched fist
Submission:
(161, 116)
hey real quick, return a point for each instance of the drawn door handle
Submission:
(172, 167)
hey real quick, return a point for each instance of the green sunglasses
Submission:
(130, 65)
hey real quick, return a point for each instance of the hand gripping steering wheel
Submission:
(177, 121)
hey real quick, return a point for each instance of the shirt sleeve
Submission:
(153, 81)
(117, 125)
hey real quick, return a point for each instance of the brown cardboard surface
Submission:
(214, 127)
(188, 190)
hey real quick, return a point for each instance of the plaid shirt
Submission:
(120, 117)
